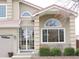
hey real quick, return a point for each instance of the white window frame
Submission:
(6, 12)
(47, 36)
(24, 12)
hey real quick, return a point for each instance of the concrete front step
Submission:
(21, 57)
(26, 55)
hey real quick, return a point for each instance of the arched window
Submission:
(25, 14)
(52, 23)
(52, 32)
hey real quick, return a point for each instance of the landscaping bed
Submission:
(56, 53)
(55, 57)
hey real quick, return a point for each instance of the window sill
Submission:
(3, 18)
(52, 42)
(25, 16)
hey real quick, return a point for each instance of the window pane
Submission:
(30, 38)
(61, 33)
(22, 40)
(53, 35)
(2, 11)
(52, 23)
(25, 13)
(44, 35)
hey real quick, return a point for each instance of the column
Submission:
(72, 32)
(36, 34)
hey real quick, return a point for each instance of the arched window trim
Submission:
(26, 12)
(52, 19)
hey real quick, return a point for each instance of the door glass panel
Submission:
(22, 40)
(30, 44)
(30, 38)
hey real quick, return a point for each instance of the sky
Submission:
(45, 3)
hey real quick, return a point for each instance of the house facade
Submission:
(25, 27)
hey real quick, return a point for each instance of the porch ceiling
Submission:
(55, 13)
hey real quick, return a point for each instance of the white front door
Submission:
(6, 45)
(26, 42)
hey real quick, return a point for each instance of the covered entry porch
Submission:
(54, 28)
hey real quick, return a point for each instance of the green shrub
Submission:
(69, 51)
(55, 52)
(77, 52)
(44, 52)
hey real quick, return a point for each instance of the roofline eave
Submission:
(30, 4)
(59, 7)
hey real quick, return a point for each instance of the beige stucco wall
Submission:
(15, 10)
(3, 1)
(26, 22)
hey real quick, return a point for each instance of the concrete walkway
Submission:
(4, 58)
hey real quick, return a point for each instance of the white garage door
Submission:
(5, 45)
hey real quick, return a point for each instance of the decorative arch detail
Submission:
(26, 13)
(52, 22)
